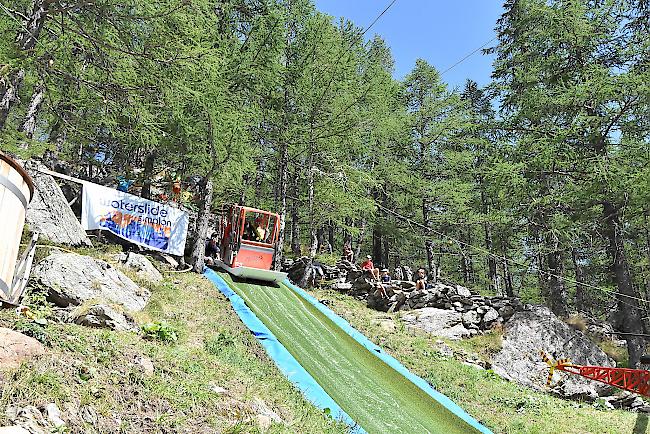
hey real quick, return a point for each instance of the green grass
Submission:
(502, 406)
(95, 369)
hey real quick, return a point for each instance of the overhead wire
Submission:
(348, 50)
(466, 57)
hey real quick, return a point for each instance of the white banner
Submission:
(150, 224)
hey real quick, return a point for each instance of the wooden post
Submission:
(16, 191)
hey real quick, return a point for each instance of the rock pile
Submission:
(471, 312)
(308, 273)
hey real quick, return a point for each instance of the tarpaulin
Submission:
(389, 360)
(287, 364)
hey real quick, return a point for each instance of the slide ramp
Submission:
(370, 387)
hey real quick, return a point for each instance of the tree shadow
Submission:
(641, 424)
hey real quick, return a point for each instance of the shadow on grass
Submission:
(641, 424)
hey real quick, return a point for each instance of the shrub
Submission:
(160, 331)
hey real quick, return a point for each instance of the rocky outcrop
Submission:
(16, 348)
(103, 316)
(73, 279)
(438, 322)
(139, 264)
(50, 215)
(34, 421)
(537, 329)
(308, 273)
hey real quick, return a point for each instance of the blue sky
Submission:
(440, 31)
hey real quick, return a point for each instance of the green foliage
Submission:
(159, 330)
(33, 329)
(289, 110)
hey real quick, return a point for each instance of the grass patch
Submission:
(94, 377)
(502, 406)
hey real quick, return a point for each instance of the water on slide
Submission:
(377, 397)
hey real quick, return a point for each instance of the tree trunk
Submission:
(507, 277)
(386, 262)
(493, 277)
(347, 235)
(32, 25)
(359, 241)
(259, 179)
(148, 174)
(295, 221)
(487, 229)
(377, 247)
(628, 309)
(331, 236)
(29, 123)
(203, 220)
(580, 300)
(557, 290)
(466, 265)
(313, 232)
(9, 96)
(282, 193)
(26, 40)
(428, 244)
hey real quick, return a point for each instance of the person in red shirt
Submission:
(369, 267)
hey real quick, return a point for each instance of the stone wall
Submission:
(477, 312)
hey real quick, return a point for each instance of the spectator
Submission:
(369, 267)
(384, 282)
(385, 277)
(212, 249)
(348, 254)
(421, 279)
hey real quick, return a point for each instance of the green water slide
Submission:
(372, 393)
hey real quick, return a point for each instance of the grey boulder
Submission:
(73, 279)
(438, 322)
(537, 329)
(142, 266)
(103, 316)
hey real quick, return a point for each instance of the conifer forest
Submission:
(536, 185)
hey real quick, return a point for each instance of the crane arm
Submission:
(632, 380)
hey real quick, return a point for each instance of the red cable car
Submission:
(248, 241)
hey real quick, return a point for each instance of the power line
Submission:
(378, 17)
(466, 57)
(534, 267)
(354, 41)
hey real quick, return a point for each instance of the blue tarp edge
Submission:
(389, 360)
(287, 364)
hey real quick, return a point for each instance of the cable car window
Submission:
(258, 227)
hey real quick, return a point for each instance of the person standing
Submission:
(348, 254)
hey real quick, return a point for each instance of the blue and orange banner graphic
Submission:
(141, 221)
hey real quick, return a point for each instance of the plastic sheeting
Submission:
(389, 360)
(367, 385)
(287, 364)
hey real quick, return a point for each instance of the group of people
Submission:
(383, 278)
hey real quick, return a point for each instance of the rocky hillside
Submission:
(107, 347)
(465, 371)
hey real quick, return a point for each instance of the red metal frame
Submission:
(633, 380)
(250, 253)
